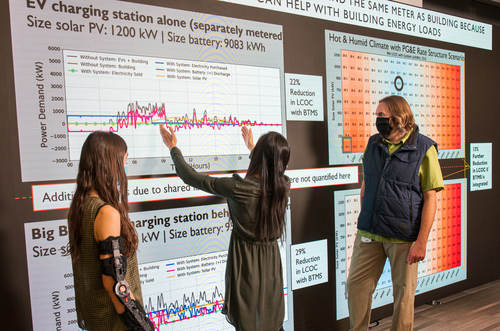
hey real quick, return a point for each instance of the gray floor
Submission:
(476, 309)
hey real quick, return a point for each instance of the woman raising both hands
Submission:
(254, 298)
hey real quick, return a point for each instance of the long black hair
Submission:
(270, 157)
(101, 168)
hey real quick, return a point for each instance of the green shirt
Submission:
(429, 175)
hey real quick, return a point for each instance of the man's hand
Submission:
(417, 252)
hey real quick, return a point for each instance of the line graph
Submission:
(189, 307)
(206, 103)
(68, 86)
(137, 115)
(187, 293)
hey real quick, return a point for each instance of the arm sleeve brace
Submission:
(134, 316)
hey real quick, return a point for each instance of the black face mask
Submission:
(383, 126)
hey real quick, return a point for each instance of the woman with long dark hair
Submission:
(254, 298)
(98, 220)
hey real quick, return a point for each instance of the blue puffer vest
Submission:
(392, 201)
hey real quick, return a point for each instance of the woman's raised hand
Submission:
(168, 136)
(247, 135)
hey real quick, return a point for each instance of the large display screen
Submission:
(132, 67)
(182, 262)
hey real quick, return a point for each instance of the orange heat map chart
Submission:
(444, 243)
(359, 76)
(445, 261)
